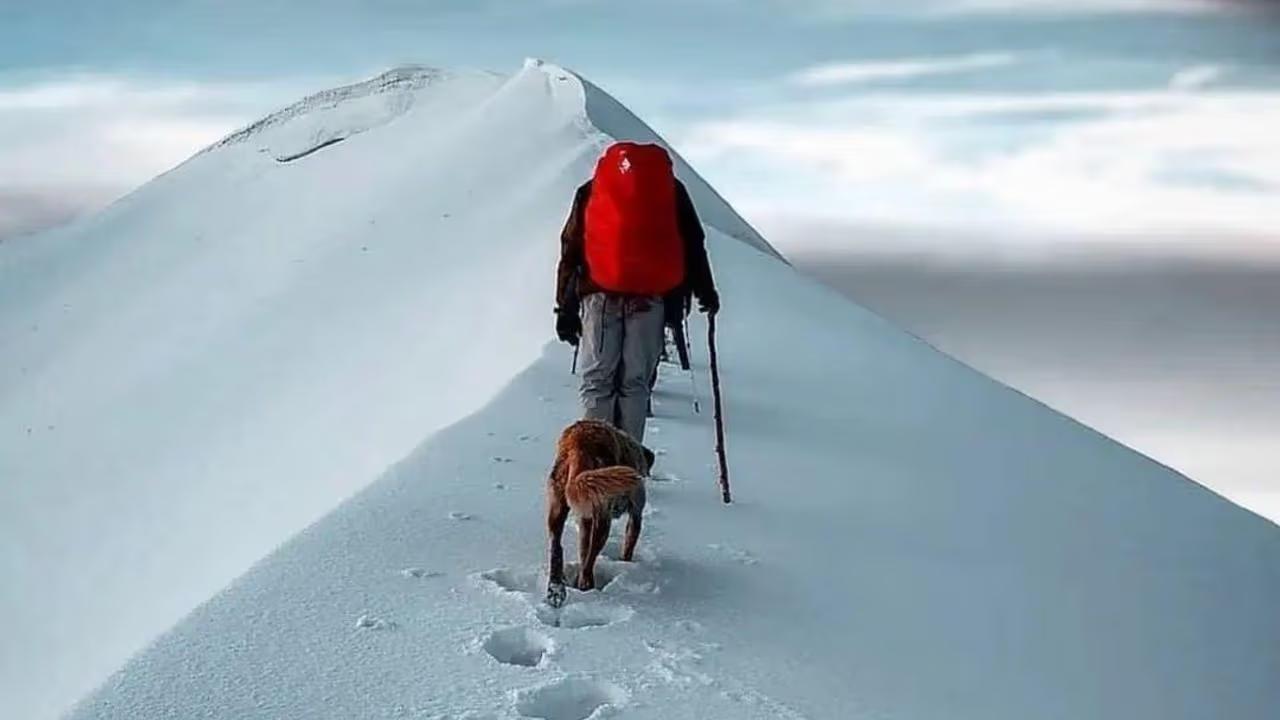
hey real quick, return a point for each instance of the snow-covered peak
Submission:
(613, 120)
(332, 116)
(398, 83)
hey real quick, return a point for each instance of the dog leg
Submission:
(557, 514)
(602, 536)
(633, 534)
(586, 537)
(599, 537)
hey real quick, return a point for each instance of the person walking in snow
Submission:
(632, 253)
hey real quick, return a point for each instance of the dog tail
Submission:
(590, 491)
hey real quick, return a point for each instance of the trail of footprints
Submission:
(578, 697)
(572, 697)
(569, 697)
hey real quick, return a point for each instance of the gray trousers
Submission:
(622, 339)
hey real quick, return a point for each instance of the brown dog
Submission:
(599, 474)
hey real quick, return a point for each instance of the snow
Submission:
(193, 376)
(210, 370)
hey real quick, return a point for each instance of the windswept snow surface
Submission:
(192, 377)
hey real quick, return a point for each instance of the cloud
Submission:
(26, 212)
(1196, 77)
(861, 72)
(84, 140)
(1085, 6)
(1120, 162)
(948, 8)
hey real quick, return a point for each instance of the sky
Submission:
(999, 114)
(987, 139)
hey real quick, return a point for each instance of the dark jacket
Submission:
(572, 282)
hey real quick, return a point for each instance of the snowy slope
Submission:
(890, 554)
(241, 344)
(193, 376)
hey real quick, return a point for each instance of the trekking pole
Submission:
(693, 377)
(573, 368)
(680, 335)
(719, 409)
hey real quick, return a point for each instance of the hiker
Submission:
(676, 328)
(631, 254)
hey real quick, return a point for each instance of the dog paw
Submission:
(556, 594)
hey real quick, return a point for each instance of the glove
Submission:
(568, 325)
(709, 301)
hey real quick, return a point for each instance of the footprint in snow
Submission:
(578, 616)
(674, 664)
(740, 556)
(526, 582)
(502, 460)
(419, 573)
(570, 698)
(456, 515)
(607, 571)
(689, 626)
(518, 646)
(637, 585)
(372, 622)
(509, 581)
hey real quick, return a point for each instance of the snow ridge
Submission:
(401, 82)
(615, 122)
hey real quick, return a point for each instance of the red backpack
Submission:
(632, 240)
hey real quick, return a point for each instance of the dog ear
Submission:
(649, 457)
